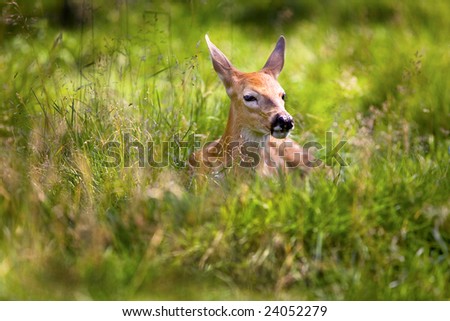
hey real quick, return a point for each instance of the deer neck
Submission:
(238, 133)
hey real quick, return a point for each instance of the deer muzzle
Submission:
(282, 125)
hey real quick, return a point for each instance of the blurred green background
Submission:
(77, 74)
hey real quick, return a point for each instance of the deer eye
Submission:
(249, 98)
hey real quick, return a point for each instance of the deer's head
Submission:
(257, 99)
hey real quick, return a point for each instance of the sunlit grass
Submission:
(373, 73)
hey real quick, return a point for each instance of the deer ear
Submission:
(275, 63)
(221, 64)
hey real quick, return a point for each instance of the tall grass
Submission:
(374, 73)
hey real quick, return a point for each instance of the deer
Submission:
(256, 134)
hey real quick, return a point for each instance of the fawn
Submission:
(258, 124)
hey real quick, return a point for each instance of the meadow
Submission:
(76, 225)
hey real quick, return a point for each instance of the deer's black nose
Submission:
(281, 125)
(282, 122)
(286, 122)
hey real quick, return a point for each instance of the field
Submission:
(103, 101)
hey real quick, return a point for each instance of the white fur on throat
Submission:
(248, 135)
